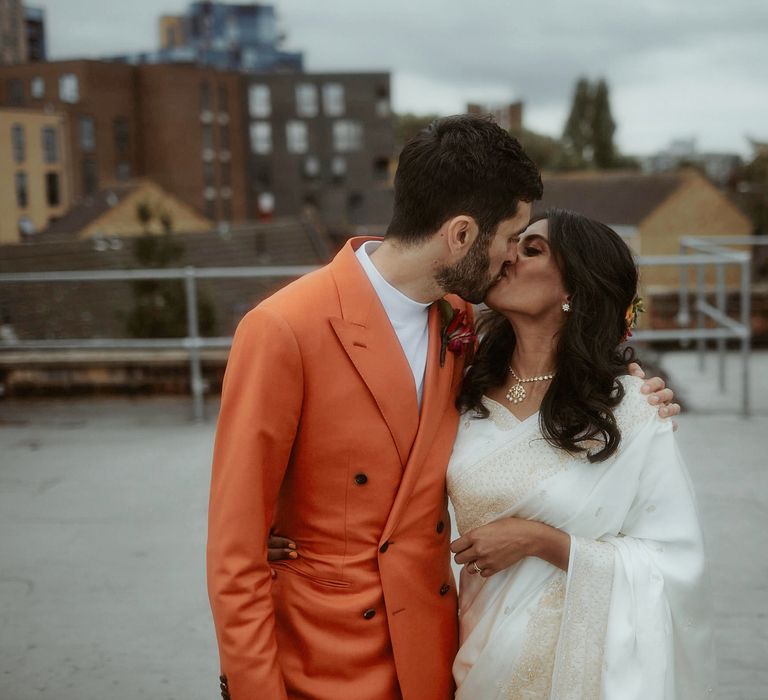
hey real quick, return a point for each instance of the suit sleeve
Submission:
(260, 409)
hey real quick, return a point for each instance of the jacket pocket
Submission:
(284, 567)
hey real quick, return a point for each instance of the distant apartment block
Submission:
(36, 182)
(718, 166)
(233, 146)
(22, 33)
(321, 141)
(243, 37)
(507, 116)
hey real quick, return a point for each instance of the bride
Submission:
(601, 589)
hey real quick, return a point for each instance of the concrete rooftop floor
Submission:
(102, 532)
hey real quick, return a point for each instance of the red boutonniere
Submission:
(458, 334)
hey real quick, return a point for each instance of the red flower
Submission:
(457, 335)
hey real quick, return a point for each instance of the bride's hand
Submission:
(500, 544)
(657, 392)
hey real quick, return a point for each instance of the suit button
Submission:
(444, 589)
(368, 614)
(361, 479)
(440, 527)
(384, 547)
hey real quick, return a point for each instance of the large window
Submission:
(333, 99)
(18, 143)
(22, 192)
(223, 98)
(52, 190)
(347, 135)
(296, 136)
(205, 97)
(122, 135)
(69, 88)
(338, 167)
(261, 137)
(207, 137)
(37, 88)
(50, 144)
(259, 101)
(306, 100)
(87, 134)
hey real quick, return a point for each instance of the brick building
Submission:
(234, 146)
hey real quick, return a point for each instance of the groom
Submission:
(336, 425)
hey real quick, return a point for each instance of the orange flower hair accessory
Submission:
(630, 317)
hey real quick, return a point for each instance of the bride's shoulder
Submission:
(633, 409)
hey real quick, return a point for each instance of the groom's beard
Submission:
(470, 277)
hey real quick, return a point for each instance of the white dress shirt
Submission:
(409, 318)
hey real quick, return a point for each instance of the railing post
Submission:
(721, 305)
(193, 338)
(746, 339)
(701, 343)
(683, 305)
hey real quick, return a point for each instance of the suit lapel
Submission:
(367, 336)
(437, 395)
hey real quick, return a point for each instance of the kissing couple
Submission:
(360, 397)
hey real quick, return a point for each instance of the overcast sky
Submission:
(676, 68)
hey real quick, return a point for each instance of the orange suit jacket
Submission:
(321, 438)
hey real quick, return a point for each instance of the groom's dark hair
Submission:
(464, 164)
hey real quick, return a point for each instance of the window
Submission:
(205, 97)
(223, 98)
(87, 134)
(123, 170)
(18, 143)
(207, 137)
(208, 174)
(296, 136)
(226, 175)
(22, 194)
(224, 137)
(121, 135)
(312, 167)
(16, 92)
(37, 88)
(210, 209)
(381, 168)
(52, 193)
(50, 144)
(90, 179)
(347, 135)
(69, 88)
(338, 167)
(333, 99)
(259, 103)
(306, 100)
(382, 101)
(261, 137)
(226, 209)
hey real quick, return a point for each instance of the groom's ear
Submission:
(460, 233)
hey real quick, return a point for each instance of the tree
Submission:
(577, 134)
(160, 306)
(603, 128)
(408, 125)
(590, 128)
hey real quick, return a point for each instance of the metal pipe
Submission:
(746, 341)
(721, 306)
(700, 318)
(193, 335)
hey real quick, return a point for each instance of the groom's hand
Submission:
(657, 392)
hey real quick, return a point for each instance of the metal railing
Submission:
(193, 343)
(697, 253)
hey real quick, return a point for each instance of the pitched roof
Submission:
(623, 199)
(86, 211)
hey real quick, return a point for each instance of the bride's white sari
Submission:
(630, 619)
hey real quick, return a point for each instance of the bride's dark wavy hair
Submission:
(601, 278)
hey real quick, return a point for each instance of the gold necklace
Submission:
(517, 393)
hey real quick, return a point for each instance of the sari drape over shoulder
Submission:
(630, 619)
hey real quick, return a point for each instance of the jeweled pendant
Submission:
(516, 394)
